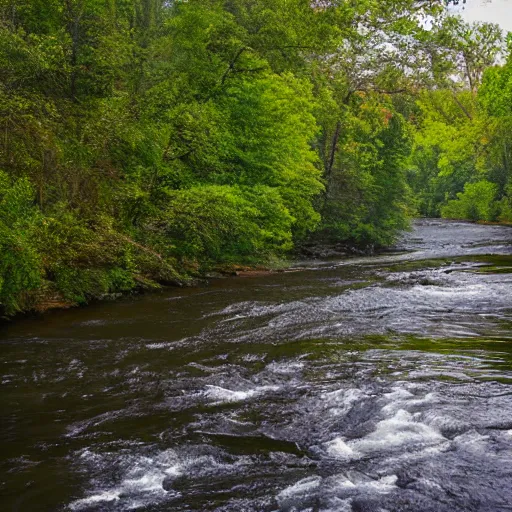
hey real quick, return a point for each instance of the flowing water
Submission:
(371, 384)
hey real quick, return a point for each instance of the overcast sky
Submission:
(495, 11)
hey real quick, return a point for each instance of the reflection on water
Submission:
(371, 384)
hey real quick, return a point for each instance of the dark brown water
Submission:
(374, 384)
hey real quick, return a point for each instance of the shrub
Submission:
(477, 202)
(226, 223)
(20, 262)
(505, 205)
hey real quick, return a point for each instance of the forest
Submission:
(144, 142)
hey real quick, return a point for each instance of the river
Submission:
(369, 384)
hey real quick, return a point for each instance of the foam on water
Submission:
(341, 400)
(382, 485)
(219, 394)
(85, 503)
(142, 481)
(401, 430)
(341, 449)
(301, 487)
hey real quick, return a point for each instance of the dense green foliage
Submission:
(142, 141)
(461, 163)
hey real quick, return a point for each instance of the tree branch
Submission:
(462, 107)
(232, 64)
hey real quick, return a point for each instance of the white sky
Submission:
(494, 11)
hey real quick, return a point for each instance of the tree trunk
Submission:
(330, 162)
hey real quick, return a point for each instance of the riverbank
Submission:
(45, 300)
(48, 297)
